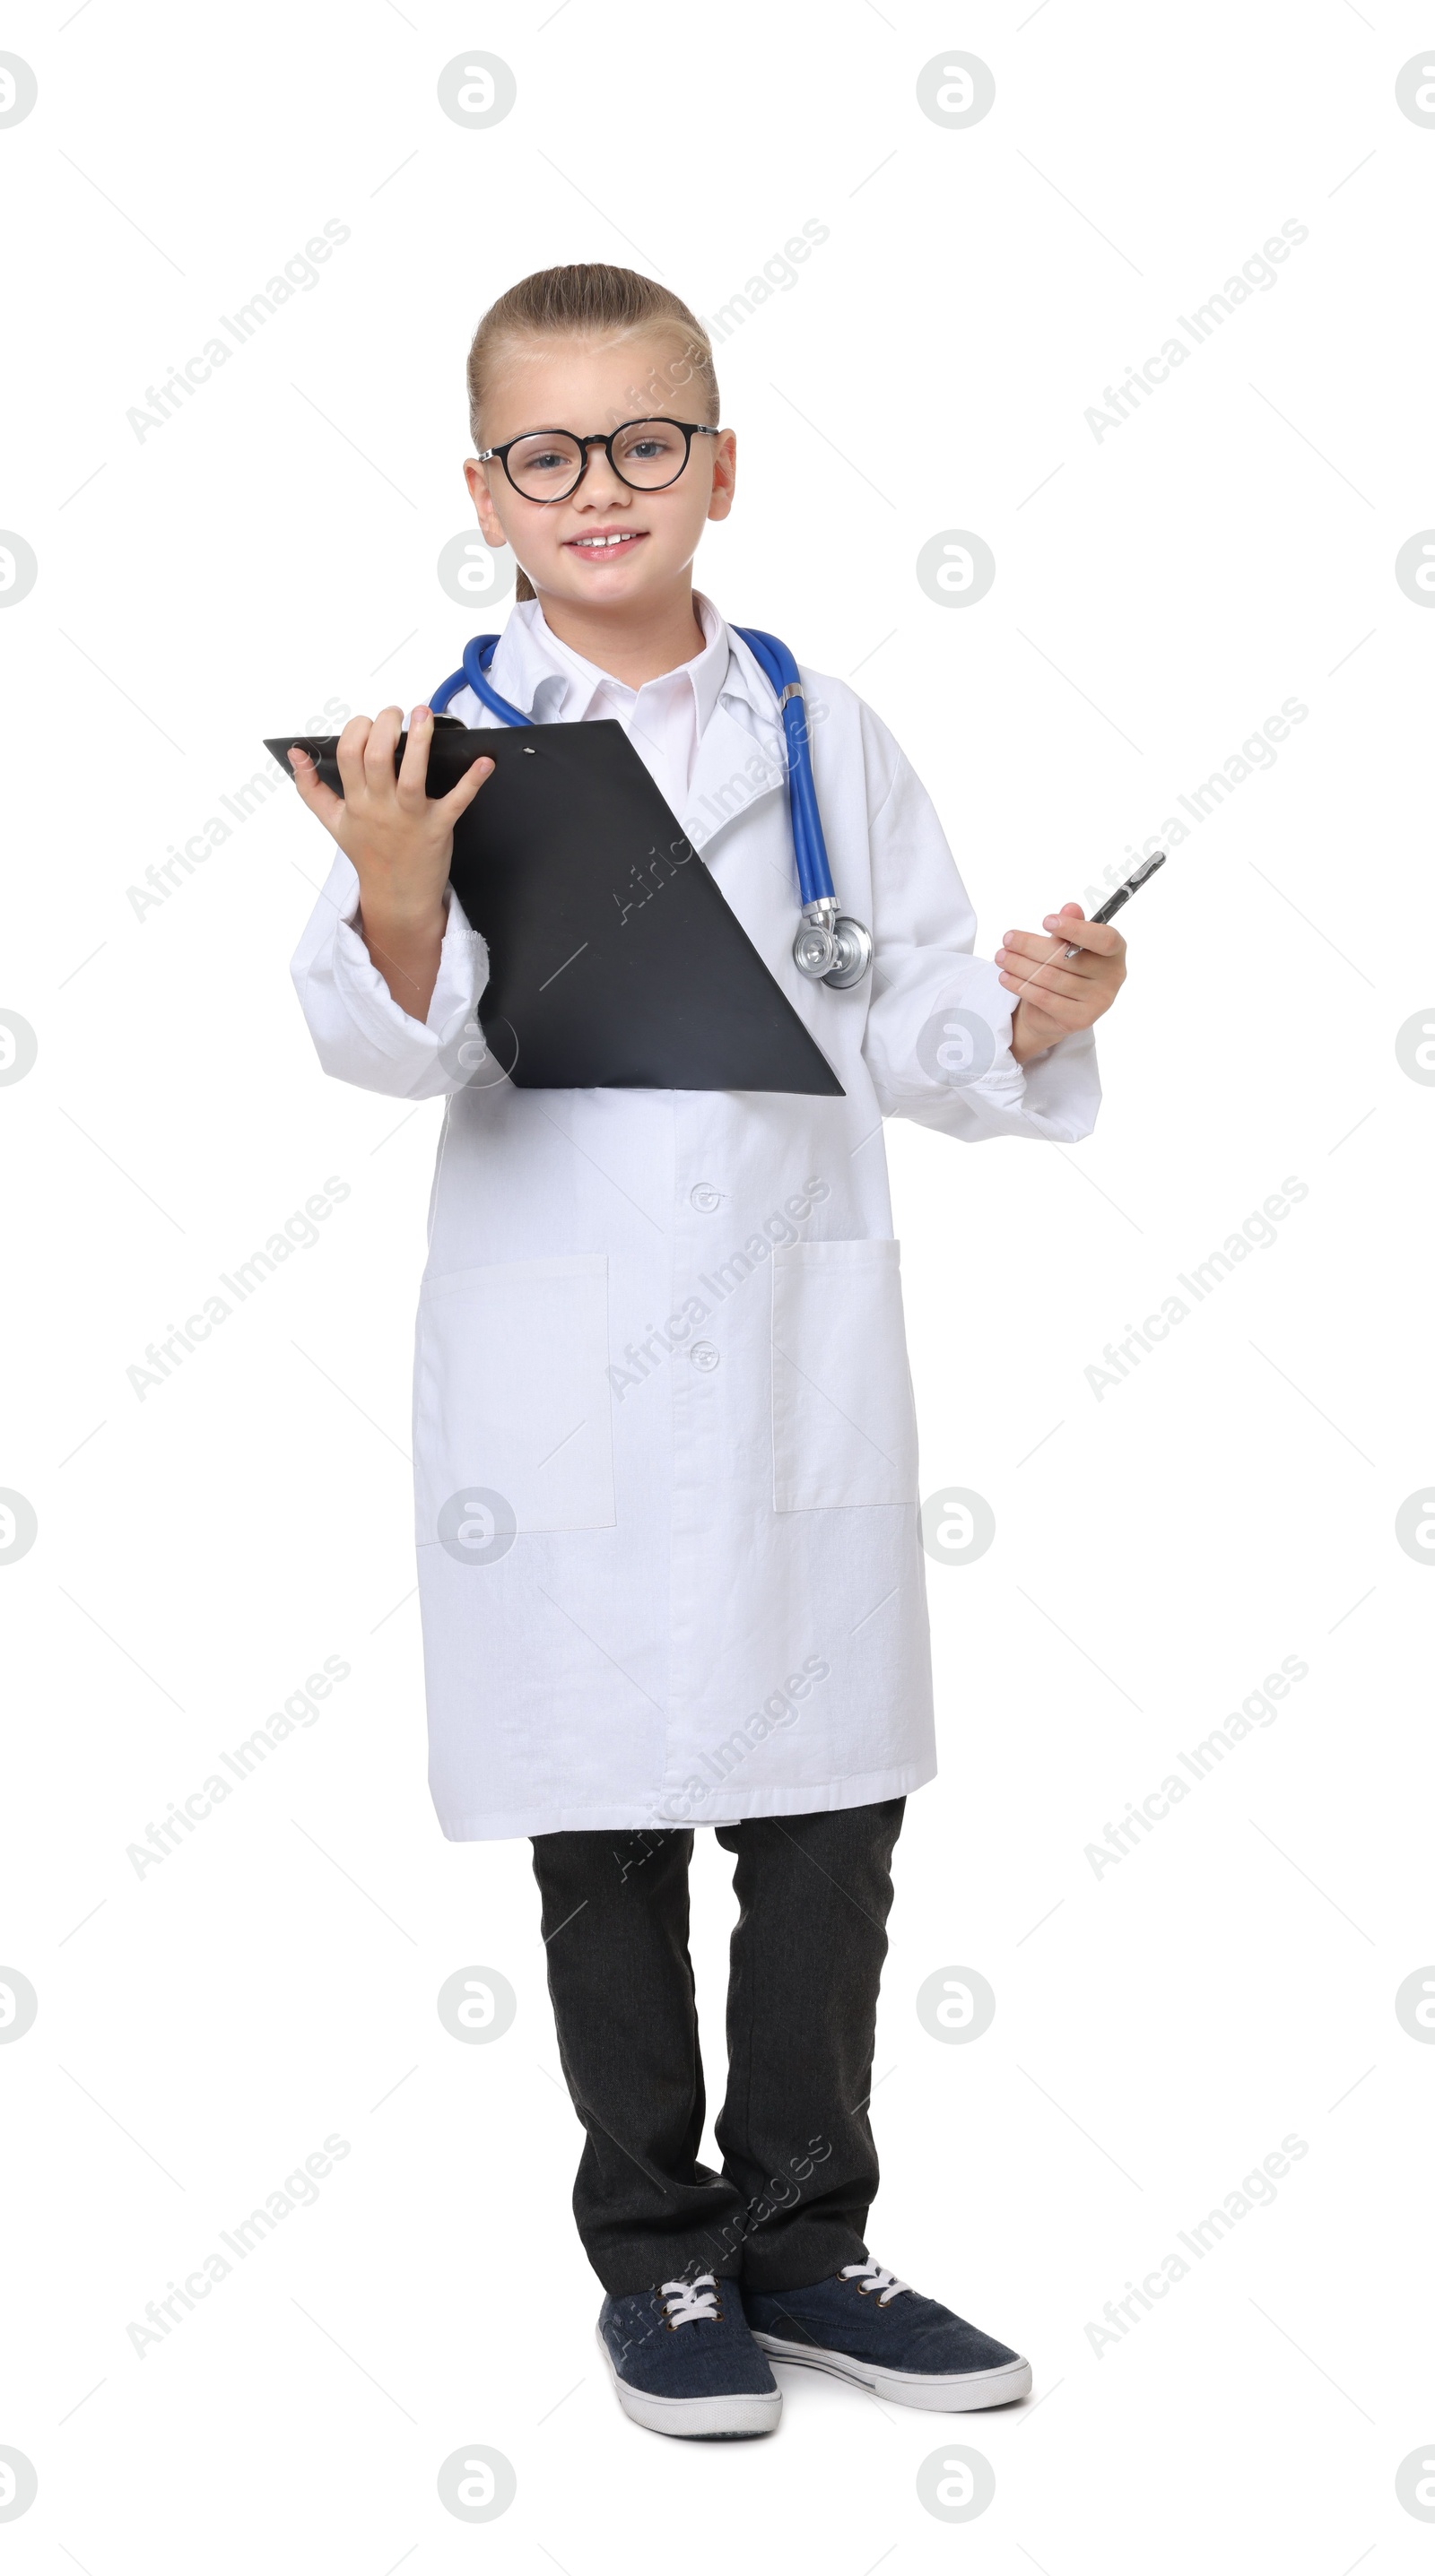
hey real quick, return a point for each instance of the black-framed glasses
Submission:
(549, 464)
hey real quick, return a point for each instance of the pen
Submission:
(1125, 892)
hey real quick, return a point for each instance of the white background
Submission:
(1159, 593)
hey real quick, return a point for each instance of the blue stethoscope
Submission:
(829, 943)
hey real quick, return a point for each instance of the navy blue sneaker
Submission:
(865, 2325)
(683, 2361)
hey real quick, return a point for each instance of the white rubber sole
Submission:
(959, 2394)
(695, 2419)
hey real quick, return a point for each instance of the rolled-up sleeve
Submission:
(360, 1032)
(938, 1037)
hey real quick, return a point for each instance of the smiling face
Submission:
(606, 544)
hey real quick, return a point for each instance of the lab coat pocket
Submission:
(844, 1427)
(511, 1393)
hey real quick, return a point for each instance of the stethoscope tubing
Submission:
(814, 872)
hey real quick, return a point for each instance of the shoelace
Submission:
(692, 2302)
(871, 2276)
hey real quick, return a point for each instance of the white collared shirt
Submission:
(664, 719)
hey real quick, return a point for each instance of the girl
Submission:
(669, 1550)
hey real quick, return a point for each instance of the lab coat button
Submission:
(704, 1197)
(704, 1356)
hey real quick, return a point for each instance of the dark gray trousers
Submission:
(799, 2167)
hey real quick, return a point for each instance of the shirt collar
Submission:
(534, 669)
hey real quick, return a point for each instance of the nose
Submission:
(600, 483)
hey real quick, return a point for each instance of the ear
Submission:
(724, 455)
(476, 477)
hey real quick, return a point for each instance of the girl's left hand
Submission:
(1057, 994)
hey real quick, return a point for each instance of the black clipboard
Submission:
(615, 961)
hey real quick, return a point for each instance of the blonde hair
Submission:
(593, 298)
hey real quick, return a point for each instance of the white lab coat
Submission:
(661, 1331)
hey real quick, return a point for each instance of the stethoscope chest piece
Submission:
(831, 946)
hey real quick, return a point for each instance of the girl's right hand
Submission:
(399, 839)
